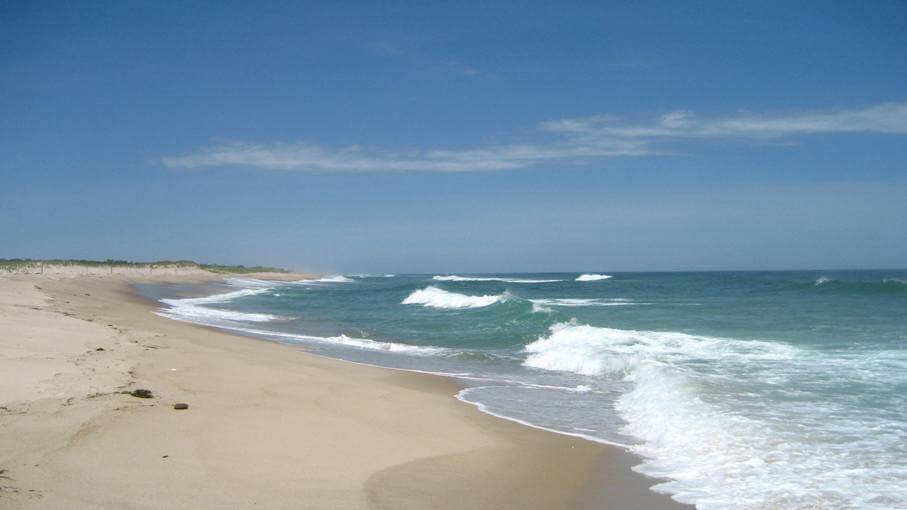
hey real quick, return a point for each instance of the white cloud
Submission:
(581, 139)
(304, 157)
(883, 118)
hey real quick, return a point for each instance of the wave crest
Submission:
(338, 278)
(596, 351)
(574, 302)
(455, 278)
(193, 309)
(433, 297)
(712, 456)
(883, 285)
(592, 277)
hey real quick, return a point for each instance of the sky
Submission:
(457, 136)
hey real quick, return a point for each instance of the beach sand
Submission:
(268, 425)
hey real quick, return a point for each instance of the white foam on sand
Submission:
(346, 341)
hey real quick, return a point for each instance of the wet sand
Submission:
(268, 425)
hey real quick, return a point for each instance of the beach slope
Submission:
(268, 425)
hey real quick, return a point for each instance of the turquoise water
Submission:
(743, 389)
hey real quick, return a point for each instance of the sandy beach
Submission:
(268, 425)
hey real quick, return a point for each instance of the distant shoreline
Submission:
(84, 266)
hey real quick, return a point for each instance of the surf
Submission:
(194, 309)
(456, 278)
(592, 277)
(434, 297)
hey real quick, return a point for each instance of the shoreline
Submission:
(268, 423)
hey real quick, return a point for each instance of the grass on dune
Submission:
(10, 265)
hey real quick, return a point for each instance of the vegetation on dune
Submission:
(241, 269)
(9, 265)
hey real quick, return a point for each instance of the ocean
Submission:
(757, 390)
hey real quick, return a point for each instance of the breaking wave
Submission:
(596, 351)
(538, 308)
(193, 309)
(328, 279)
(882, 286)
(433, 297)
(592, 277)
(455, 278)
(681, 402)
(573, 302)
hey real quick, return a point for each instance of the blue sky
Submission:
(457, 136)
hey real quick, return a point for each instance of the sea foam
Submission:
(684, 404)
(455, 278)
(590, 350)
(347, 341)
(193, 309)
(433, 297)
(592, 277)
(574, 302)
(326, 279)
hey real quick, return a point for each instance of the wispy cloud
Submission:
(883, 118)
(311, 158)
(577, 140)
